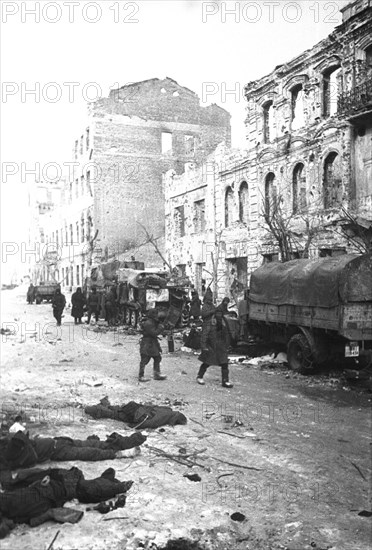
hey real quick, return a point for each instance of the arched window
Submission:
(229, 204)
(332, 188)
(297, 107)
(270, 192)
(299, 188)
(368, 55)
(82, 230)
(330, 91)
(268, 120)
(243, 202)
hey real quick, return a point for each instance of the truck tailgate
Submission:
(356, 321)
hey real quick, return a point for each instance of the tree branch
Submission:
(152, 240)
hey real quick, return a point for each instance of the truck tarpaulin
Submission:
(321, 283)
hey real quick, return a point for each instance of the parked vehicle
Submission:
(321, 309)
(141, 290)
(45, 292)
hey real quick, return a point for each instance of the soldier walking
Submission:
(58, 305)
(150, 346)
(214, 345)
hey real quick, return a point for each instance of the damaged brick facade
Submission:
(309, 126)
(139, 132)
(219, 221)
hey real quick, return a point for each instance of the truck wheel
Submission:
(299, 355)
(127, 316)
(185, 317)
(134, 318)
(38, 300)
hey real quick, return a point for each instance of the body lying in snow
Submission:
(21, 451)
(28, 496)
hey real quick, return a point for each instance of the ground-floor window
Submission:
(270, 258)
(238, 274)
(331, 252)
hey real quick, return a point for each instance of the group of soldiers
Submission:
(215, 335)
(80, 305)
(214, 340)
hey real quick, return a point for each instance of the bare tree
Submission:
(282, 227)
(150, 239)
(215, 257)
(356, 230)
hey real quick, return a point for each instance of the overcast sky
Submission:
(205, 46)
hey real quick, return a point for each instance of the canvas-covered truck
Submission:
(320, 309)
(45, 291)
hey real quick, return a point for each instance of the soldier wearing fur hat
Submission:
(150, 346)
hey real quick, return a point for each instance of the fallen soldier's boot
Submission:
(118, 442)
(158, 376)
(102, 488)
(129, 453)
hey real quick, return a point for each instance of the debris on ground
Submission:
(237, 516)
(192, 477)
(365, 514)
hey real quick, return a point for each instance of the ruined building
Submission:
(139, 132)
(308, 162)
(309, 130)
(133, 136)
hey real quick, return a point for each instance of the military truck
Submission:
(141, 290)
(321, 309)
(45, 292)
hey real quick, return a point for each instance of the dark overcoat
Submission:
(78, 303)
(214, 348)
(195, 308)
(149, 344)
(59, 302)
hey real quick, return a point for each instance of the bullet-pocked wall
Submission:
(309, 133)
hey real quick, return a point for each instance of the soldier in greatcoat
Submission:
(150, 346)
(214, 345)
